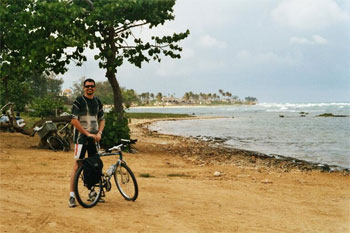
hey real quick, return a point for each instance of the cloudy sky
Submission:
(275, 50)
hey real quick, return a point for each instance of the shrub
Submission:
(115, 129)
(46, 106)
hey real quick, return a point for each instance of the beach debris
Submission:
(303, 114)
(217, 173)
(266, 181)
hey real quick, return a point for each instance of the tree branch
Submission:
(123, 28)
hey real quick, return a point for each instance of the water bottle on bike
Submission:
(111, 170)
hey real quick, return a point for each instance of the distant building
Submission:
(67, 92)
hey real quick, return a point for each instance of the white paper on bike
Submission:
(77, 150)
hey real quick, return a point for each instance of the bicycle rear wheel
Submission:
(86, 197)
(55, 143)
(126, 182)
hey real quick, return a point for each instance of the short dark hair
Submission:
(89, 80)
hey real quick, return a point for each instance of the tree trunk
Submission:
(117, 94)
(112, 71)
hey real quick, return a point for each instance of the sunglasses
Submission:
(89, 86)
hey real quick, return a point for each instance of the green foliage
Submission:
(104, 92)
(46, 106)
(22, 93)
(35, 36)
(17, 92)
(250, 99)
(129, 97)
(30, 120)
(146, 175)
(116, 128)
(44, 84)
(109, 25)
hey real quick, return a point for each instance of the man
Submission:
(88, 121)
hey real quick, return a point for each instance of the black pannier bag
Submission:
(92, 171)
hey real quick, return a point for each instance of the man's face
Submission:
(89, 88)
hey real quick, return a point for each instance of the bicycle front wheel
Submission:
(126, 182)
(86, 197)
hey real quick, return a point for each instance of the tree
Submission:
(186, 96)
(43, 84)
(221, 92)
(34, 36)
(77, 87)
(22, 93)
(159, 97)
(250, 99)
(109, 25)
(129, 97)
(104, 92)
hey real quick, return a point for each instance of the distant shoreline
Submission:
(183, 106)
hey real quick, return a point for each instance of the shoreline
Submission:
(214, 147)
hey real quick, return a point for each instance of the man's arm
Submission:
(100, 130)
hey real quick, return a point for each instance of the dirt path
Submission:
(180, 196)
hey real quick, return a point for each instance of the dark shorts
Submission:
(80, 149)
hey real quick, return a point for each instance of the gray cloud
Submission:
(269, 49)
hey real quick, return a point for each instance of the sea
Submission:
(287, 129)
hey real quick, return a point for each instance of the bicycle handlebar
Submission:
(124, 142)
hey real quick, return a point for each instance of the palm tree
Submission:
(186, 96)
(159, 97)
(221, 91)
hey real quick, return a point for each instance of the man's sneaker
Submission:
(71, 202)
(92, 195)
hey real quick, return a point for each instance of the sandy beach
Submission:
(184, 186)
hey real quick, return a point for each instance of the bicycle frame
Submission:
(106, 178)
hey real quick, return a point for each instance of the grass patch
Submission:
(177, 175)
(150, 115)
(30, 121)
(145, 175)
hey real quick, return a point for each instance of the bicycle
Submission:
(60, 140)
(123, 177)
(57, 137)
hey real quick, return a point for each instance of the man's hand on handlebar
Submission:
(93, 136)
(96, 137)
